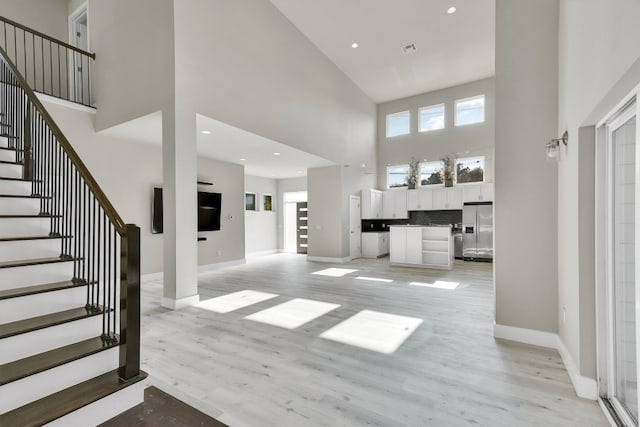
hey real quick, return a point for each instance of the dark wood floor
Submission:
(161, 409)
(449, 372)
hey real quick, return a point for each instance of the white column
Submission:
(179, 163)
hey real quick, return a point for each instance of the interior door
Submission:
(355, 228)
(79, 64)
(302, 227)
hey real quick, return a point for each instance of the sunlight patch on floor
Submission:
(374, 330)
(438, 284)
(234, 301)
(334, 272)
(374, 279)
(293, 314)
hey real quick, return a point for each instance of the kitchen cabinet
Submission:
(477, 192)
(420, 200)
(371, 204)
(394, 204)
(447, 198)
(428, 247)
(375, 245)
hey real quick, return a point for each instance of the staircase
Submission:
(69, 277)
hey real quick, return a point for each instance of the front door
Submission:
(302, 227)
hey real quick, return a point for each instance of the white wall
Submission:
(261, 226)
(133, 74)
(286, 186)
(463, 141)
(243, 63)
(127, 171)
(599, 64)
(525, 184)
(48, 17)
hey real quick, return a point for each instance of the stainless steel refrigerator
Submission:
(477, 229)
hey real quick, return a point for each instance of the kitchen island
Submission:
(422, 246)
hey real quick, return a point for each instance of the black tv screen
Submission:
(209, 205)
(209, 208)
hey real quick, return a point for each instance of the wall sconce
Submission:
(553, 147)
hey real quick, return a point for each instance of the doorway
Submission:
(355, 228)
(295, 228)
(79, 74)
(617, 275)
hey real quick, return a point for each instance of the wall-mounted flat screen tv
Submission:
(209, 208)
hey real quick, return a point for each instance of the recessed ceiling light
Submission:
(243, 159)
(299, 171)
(451, 10)
(354, 45)
(364, 166)
(276, 154)
(206, 132)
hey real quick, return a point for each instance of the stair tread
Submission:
(9, 148)
(21, 196)
(30, 216)
(35, 261)
(4, 162)
(68, 400)
(41, 322)
(7, 178)
(6, 135)
(41, 237)
(32, 365)
(39, 289)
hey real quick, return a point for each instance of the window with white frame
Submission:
(398, 124)
(469, 111)
(470, 169)
(431, 118)
(397, 176)
(431, 173)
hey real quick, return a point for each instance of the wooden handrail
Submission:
(46, 37)
(66, 146)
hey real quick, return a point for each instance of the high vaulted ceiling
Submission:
(451, 48)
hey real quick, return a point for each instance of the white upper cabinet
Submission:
(420, 200)
(394, 204)
(447, 198)
(371, 206)
(477, 193)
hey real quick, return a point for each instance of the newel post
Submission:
(130, 303)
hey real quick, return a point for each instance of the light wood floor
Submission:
(450, 372)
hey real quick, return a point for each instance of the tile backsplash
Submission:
(450, 217)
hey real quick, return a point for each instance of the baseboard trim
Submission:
(585, 387)
(328, 259)
(150, 277)
(177, 304)
(261, 253)
(217, 266)
(526, 336)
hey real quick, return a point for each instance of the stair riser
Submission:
(14, 309)
(30, 249)
(34, 387)
(31, 343)
(104, 409)
(8, 156)
(10, 171)
(17, 188)
(19, 277)
(18, 206)
(4, 142)
(24, 227)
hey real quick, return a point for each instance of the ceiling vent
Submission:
(411, 47)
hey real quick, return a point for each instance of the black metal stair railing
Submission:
(49, 66)
(104, 250)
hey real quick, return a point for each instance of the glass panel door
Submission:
(623, 282)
